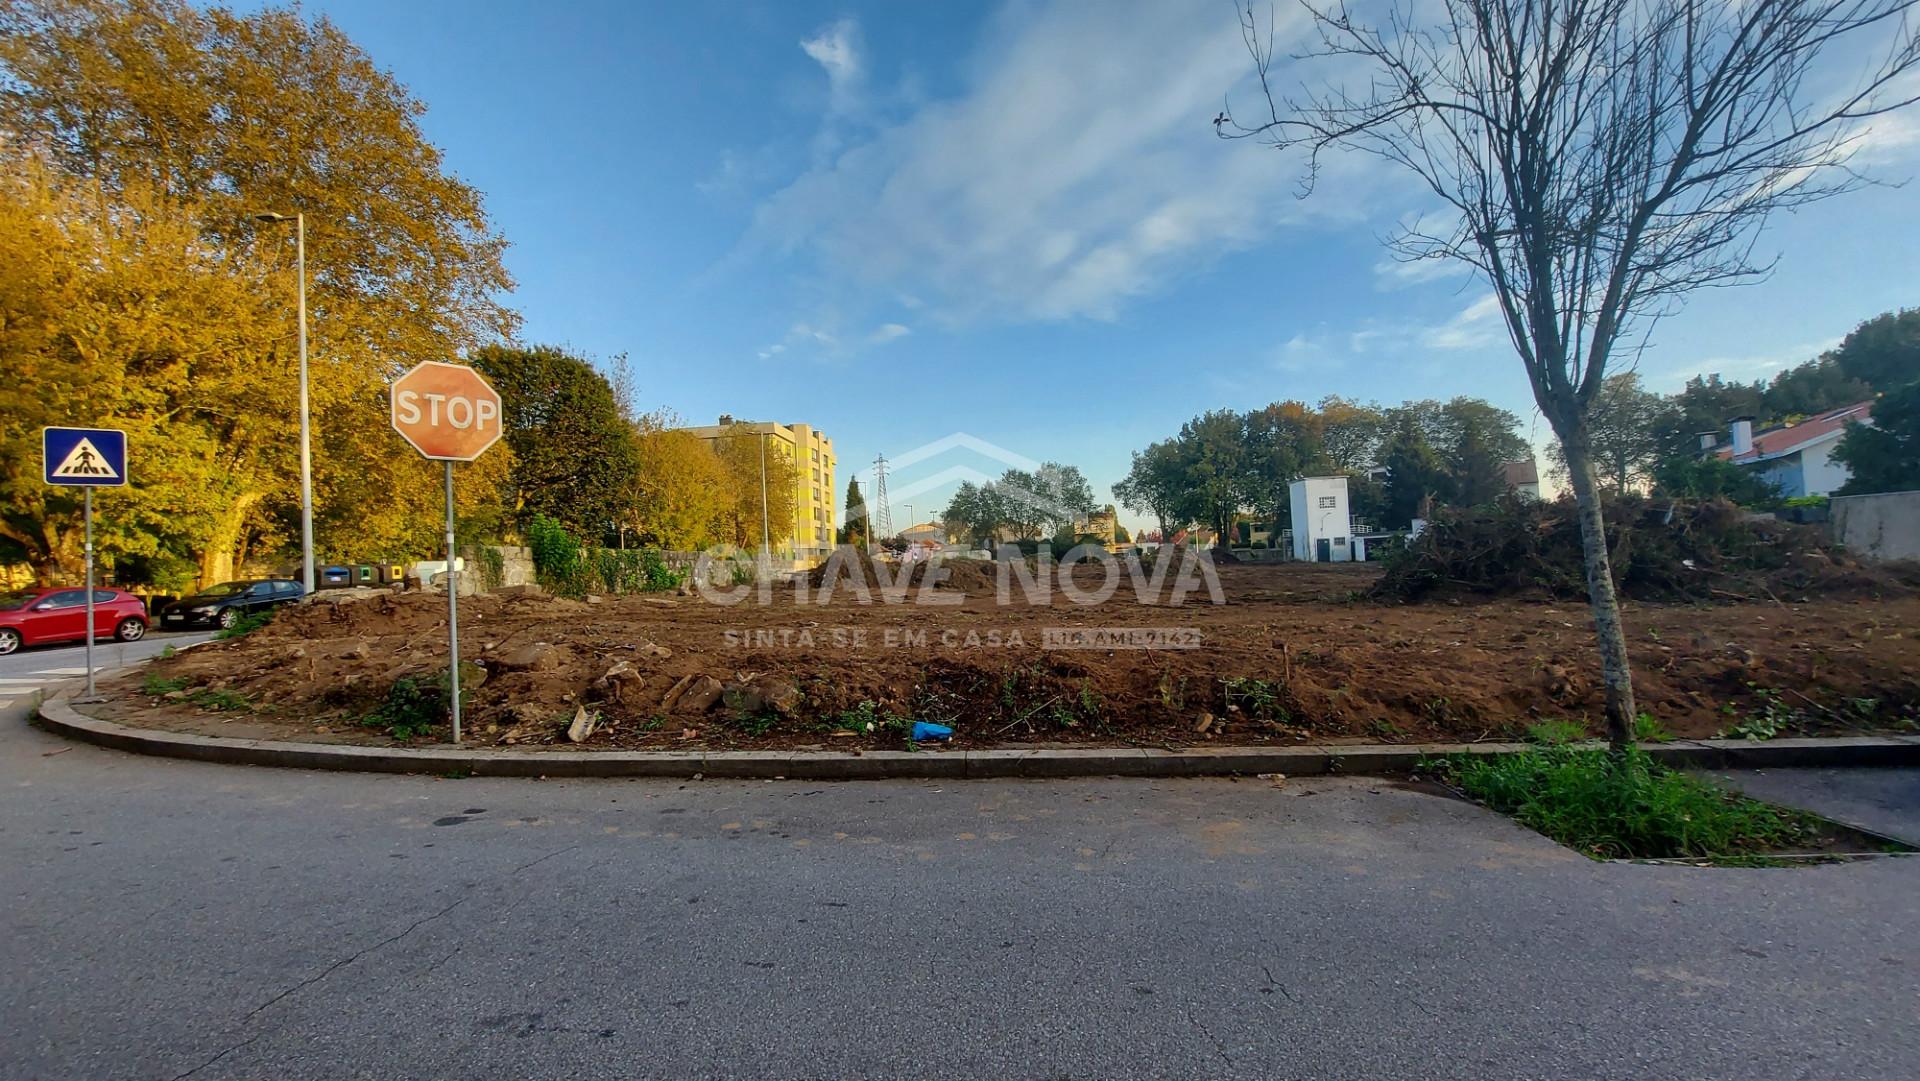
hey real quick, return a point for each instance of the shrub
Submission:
(556, 555)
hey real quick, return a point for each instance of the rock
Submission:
(340, 596)
(520, 591)
(618, 681)
(762, 693)
(538, 657)
(652, 651)
(1205, 722)
(473, 676)
(693, 694)
(584, 722)
(594, 598)
(356, 650)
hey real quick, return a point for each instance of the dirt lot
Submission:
(1292, 655)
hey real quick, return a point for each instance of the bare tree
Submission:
(1600, 160)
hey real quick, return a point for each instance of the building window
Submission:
(1328, 501)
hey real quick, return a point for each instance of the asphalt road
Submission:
(35, 668)
(171, 920)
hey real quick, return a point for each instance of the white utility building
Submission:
(1320, 522)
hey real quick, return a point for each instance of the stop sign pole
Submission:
(449, 413)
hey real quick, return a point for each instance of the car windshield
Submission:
(224, 589)
(13, 602)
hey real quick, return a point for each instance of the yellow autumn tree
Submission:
(740, 451)
(682, 493)
(156, 111)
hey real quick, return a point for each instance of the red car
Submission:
(32, 617)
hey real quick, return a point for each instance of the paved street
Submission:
(170, 919)
(38, 667)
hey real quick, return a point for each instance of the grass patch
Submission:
(220, 701)
(1556, 733)
(246, 625)
(153, 686)
(1627, 806)
(1648, 730)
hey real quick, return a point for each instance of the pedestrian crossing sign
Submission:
(87, 457)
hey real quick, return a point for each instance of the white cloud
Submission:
(837, 48)
(801, 334)
(1077, 169)
(1477, 326)
(888, 332)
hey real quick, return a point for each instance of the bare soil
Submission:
(1297, 653)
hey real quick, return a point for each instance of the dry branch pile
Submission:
(1661, 550)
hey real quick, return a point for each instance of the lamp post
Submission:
(766, 541)
(306, 441)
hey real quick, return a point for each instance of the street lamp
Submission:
(306, 444)
(910, 522)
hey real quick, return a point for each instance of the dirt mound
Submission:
(974, 577)
(1660, 550)
(1296, 653)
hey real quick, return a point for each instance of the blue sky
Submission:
(898, 221)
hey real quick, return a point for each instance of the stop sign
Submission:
(447, 411)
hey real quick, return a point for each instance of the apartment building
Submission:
(810, 536)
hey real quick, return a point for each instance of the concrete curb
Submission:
(58, 716)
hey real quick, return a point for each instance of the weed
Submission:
(1612, 806)
(868, 717)
(219, 701)
(1648, 730)
(1173, 694)
(153, 686)
(168, 651)
(458, 773)
(1556, 732)
(415, 705)
(758, 724)
(1386, 730)
(1773, 716)
(1255, 697)
(246, 625)
(1089, 701)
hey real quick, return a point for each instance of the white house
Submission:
(1321, 528)
(1796, 458)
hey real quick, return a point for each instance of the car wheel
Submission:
(9, 640)
(130, 630)
(227, 618)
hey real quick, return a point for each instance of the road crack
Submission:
(338, 965)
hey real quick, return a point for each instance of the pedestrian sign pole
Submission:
(85, 458)
(450, 413)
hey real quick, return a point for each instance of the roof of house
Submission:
(1786, 439)
(1514, 474)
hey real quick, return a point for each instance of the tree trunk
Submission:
(1602, 598)
(217, 558)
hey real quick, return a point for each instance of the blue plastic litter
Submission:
(926, 730)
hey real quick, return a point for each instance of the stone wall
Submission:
(1878, 527)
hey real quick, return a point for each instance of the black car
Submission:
(230, 602)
